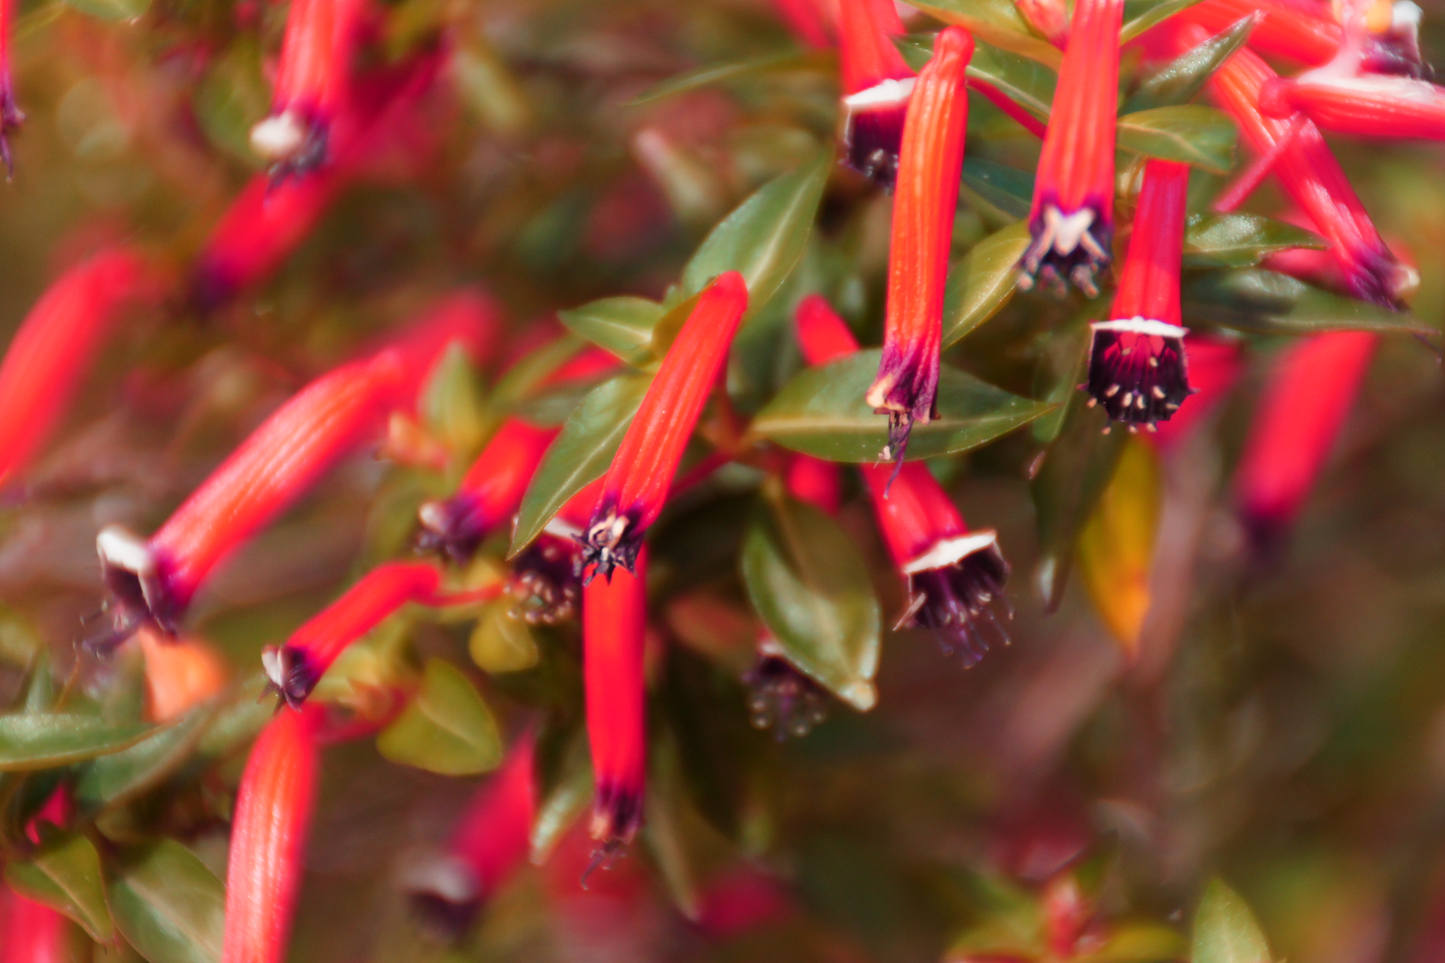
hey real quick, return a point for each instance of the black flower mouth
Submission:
(142, 591)
(616, 814)
(1138, 370)
(445, 896)
(873, 129)
(614, 538)
(1069, 247)
(783, 699)
(952, 590)
(454, 528)
(546, 581)
(289, 673)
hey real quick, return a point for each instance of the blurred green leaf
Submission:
(1140, 15)
(64, 874)
(822, 412)
(1225, 930)
(231, 98)
(447, 729)
(502, 642)
(1178, 81)
(564, 788)
(168, 905)
(807, 581)
(1189, 133)
(1137, 942)
(43, 740)
(580, 455)
(669, 326)
(1240, 240)
(622, 325)
(983, 281)
(996, 22)
(120, 777)
(1026, 81)
(1006, 192)
(1061, 371)
(822, 61)
(115, 10)
(453, 403)
(662, 833)
(20, 642)
(1265, 302)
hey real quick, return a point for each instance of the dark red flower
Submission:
(1214, 366)
(10, 113)
(876, 87)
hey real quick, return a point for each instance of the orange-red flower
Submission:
(923, 210)
(10, 113)
(1309, 33)
(1072, 217)
(180, 674)
(1137, 363)
(876, 87)
(641, 472)
(1367, 105)
(813, 480)
(268, 839)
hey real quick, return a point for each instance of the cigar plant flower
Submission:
(877, 85)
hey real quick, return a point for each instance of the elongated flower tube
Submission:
(10, 113)
(1309, 33)
(152, 581)
(1296, 422)
(1049, 17)
(1072, 217)
(490, 842)
(636, 483)
(56, 345)
(310, 85)
(876, 87)
(1366, 105)
(614, 627)
(813, 480)
(806, 21)
(1312, 177)
(180, 674)
(32, 932)
(953, 575)
(923, 210)
(268, 839)
(1137, 364)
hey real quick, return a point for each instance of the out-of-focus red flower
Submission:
(1214, 367)
(637, 482)
(180, 674)
(1366, 105)
(1049, 17)
(876, 87)
(10, 113)
(31, 932)
(1309, 33)
(930, 163)
(740, 902)
(807, 21)
(1072, 217)
(468, 319)
(813, 480)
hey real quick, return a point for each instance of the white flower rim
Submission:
(950, 551)
(561, 528)
(886, 93)
(1141, 325)
(121, 548)
(278, 136)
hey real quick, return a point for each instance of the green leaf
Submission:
(1190, 133)
(1140, 15)
(45, 740)
(983, 282)
(1240, 240)
(565, 790)
(1138, 942)
(447, 729)
(580, 454)
(764, 237)
(230, 99)
(822, 412)
(113, 10)
(997, 22)
(807, 581)
(453, 403)
(1061, 371)
(1026, 81)
(1265, 302)
(622, 325)
(168, 905)
(501, 642)
(1178, 81)
(812, 60)
(64, 874)
(124, 775)
(1005, 192)
(662, 832)
(1225, 931)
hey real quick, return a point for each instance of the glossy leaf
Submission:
(1190, 133)
(1140, 15)
(1266, 302)
(501, 642)
(807, 581)
(1178, 81)
(822, 412)
(1116, 547)
(622, 325)
(114, 10)
(44, 740)
(168, 905)
(1004, 192)
(446, 729)
(1225, 930)
(1240, 240)
(1138, 942)
(983, 281)
(1026, 81)
(1060, 372)
(764, 238)
(814, 60)
(996, 22)
(64, 874)
(580, 454)
(117, 778)
(565, 791)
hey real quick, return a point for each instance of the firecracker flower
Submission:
(637, 482)
(1072, 216)
(877, 85)
(268, 839)
(180, 674)
(614, 629)
(1310, 33)
(923, 211)
(780, 697)
(10, 114)
(1298, 418)
(489, 843)
(546, 577)
(1366, 105)
(56, 345)
(1137, 364)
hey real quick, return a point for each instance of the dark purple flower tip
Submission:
(873, 129)
(289, 673)
(546, 581)
(1381, 279)
(140, 586)
(1138, 370)
(11, 118)
(294, 141)
(613, 539)
(781, 698)
(454, 528)
(444, 894)
(1397, 49)
(1068, 248)
(616, 815)
(951, 590)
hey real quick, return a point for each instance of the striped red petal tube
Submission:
(10, 113)
(1072, 217)
(56, 345)
(923, 210)
(637, 482)
(1366, 105)
(1138, 369)
(268, 839)
(614, 627)
(876, 87)
(1049, 17)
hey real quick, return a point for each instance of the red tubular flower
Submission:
(310, 84)
(813, 480)
(1307, 32)
(33, 932)
(1297, 420)
(1137, 364)
(55, 346)
(268, 839)
(807, 22)
(10, 114)
(1214, 366)
(152, 581)
(490, 842)
(1049, 17)
(953, 574)
(1367, 105)
(1312, 177)
(614, 626)
(546, 575)
(180, 674)
(876, 87)
(1072, 217)
(932, 157)
(641, 472)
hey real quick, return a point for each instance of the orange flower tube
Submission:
(876, 87)
(1307, 32)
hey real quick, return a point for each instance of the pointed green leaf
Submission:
(501, 642)
(564, 776)
(1061, 371)
(1004, 193)
(622, 325)
(447, 729)
(1178, 81)
(114, 10)
(1025, 80)
(808, 583)
(122, 776)
(453, 403)
(168, 905)
(983, 282)
(1225, 930)
(580, 455)
(822, 412)
(996, 22)
(1253, 299)
(1140, 15)
(813, 60)
(1189, 133)
(45, 740)
(1240, 240)
(765, 236)
(64, 874)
